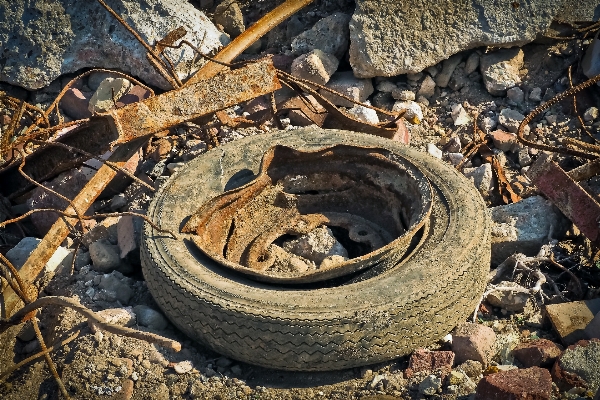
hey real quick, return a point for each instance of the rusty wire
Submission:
(573, 149)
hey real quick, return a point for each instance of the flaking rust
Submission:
(164, 111)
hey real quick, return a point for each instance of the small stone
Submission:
(591, 114)
(117, 316)
(453, 145)
(75, 103)
(427, 88)
(423, 360)
(516, 95)
(414, 77)
(472, 63)
(316, 246)
(571, 319)
(345, 83)
(316, 66)
(330, 34)
(433, 150)
(482, 177)
(460, 116)
(229, 15)
(224, 362)
(236, 370)
(535, 94)
(578, 366)
(61, 257)
(111, 283)
(376, 380)
(183, 367)
(430, 385)
(448, 66)
(537, 353)
(364, 114)
(488, 123)
(473, 342)
(386, 86)
(413, 112)
(109, 91)
(27, 333)
(511, 119)
(551, 119)
(455, 158)
(146, 316)
(507, 300)
(172, 167)
(472, 368)
(400, 94)
(456, 378)
(531, 383)
(525, 159)
(193, 148)
(503, 140)
(105, 256)
(501, 70)
(590, 64)
(118, 201)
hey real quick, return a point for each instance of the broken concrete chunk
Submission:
(460, 116)
(364, 114)
(413, 112)
(316, 66)
(62, 257)
(108, 93)
(390, 38)
(329, 34)
(44, 40)
(578, 366)
(570, 320)
(524, 227)
(149, 317)
(511, 119)
(501, 70)
(347, 84)
(503, 140)
(482, 177)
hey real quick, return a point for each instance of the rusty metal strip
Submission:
(567, 195)
(164, 111)
(60, 230)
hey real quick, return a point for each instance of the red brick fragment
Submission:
(517, 384)
(537, 353)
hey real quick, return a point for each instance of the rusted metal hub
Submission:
(373, 200)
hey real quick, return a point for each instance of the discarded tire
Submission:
(372, 316)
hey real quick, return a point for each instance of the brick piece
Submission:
(473, 342)
(523, 384)
(537, 353)
(430, 361)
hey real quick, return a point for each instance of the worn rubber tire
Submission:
(316, 329)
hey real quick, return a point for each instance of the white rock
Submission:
(364, 113)
(413, 113)
(20, 253)
(109, 91)
(316, 66)
(316, 246)
(460, 116)
(434, 151)
(427, 88)
(183, 367)
(591, 114)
